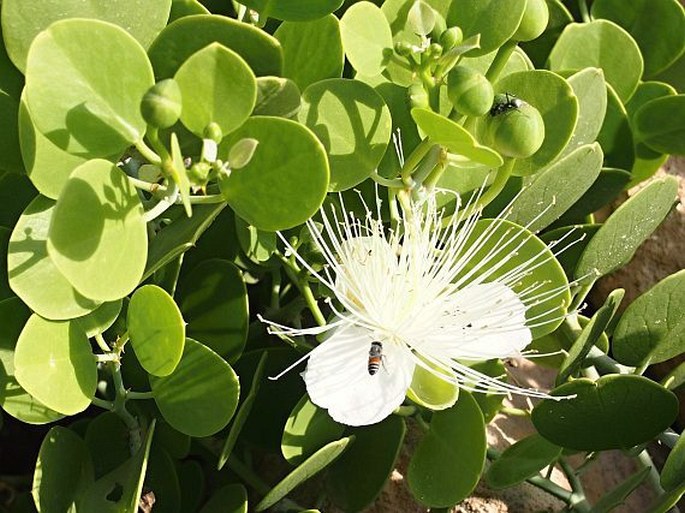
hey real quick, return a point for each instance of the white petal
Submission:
(338, 379)
(481, 322)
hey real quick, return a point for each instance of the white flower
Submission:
(418, 290)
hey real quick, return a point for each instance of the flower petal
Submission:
(338, 379)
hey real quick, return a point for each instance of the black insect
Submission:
(375, 357)
(504, 103)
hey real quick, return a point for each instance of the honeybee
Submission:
(375, 357)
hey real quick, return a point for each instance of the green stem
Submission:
(434, 158)
(605, 364)
(102, 344)
(387, 182)
(299, 278)
(405, 411)
(119, 408)
(578, 500)
(136, 396)
(413, 161)
(247, 475)
(102, 403)
(275, 302)
(147, 152)
(151, 187)
(584, 11)
(500, 60)
(210, 199)
(653, 477)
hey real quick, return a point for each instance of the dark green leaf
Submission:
(522, 460)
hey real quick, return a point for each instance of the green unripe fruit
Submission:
(534, 21)
(451, 38)
(161, 104)
(514, 128)
(469, 91)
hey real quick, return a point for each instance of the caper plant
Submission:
(250, 243)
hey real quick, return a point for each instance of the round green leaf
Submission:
(520, 461)
(162, 479)
(228, 499)
(214, 303)
(47, 165)
(619, 401)
(225, 95)
(22, 20)
(200, 396)
(553, 97)
(286, 179)
(302, 10)
(99, 320)
(554, 189)
(97, 236)
(659, 124)
(395, 98)
(181, 8)
(157, 330)
(13, 398)
(32, 274)
(277, 97)
(366, 38)
(627, 228)
(83, 103)
(652, 329)
(352, 122)
(455, 138)
(53, 362)
(448, 461)
(509, 246)
(312, 50)
(656, 25)
(311, 466)
(430, 391)
(495, 21)
(63, 469)
(191, 477)
(182, 38)
(600, 44)
(355, 480)
(308, 429)
(107, 437)
(673, 473)
(590, 90)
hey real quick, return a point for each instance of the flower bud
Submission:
(514, 128)
(418, 97)
(434, 51)
(403, 49)
(213, 131)
(161, 104)
(534, 21)
(198, 173)
(242, 152)
(469, 91)
(451, 38)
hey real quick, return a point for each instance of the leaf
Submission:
(673, 472)
(108, 439)
(62, 472)
(520, 461)
(200, 396)
(495, 21)
(616, 241)
(302, 10)
(660, 43)
(226, 94)
(448, 461)
(355, 480)
(287, 178)
(430, 391)
(352, 122)
(366, 38)
(600, 44)
(23, 20)
(32, 274)
(99, 320)
(312, 50)
(616, 135)
(308, 468)
(227, 499)
(243, 413)
(658, 124)
(277, 97)
(553, 97)
(619, 401)
(214, 303)
(50, 353)
(652, 329)
(87, 105)
(555, 189)
(181, 8)
(455, 138)
(119, 491)
(308, 429)
(617, 495)
(98, 236)
(589, 336)
(185, 36)
(157, 330)
(590, 90)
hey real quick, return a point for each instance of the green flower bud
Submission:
(451, 38)
(418, 97)
(403, 49)
(534, 21)
(514, 128)
(469, 91)
(242, 152)
(434, 51)
(198, 173)
(213, 131)
(161, 104)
